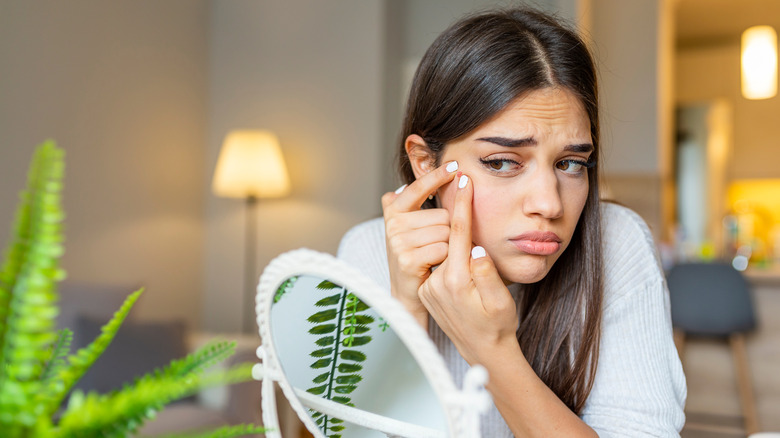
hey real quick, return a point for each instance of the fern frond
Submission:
(51, 384)
(123, 412)
(204, 357)
(27, 288)
(327, 285)
(80, 361)
(222, 432)
(59, 351)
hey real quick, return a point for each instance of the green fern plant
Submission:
(344, 325)
(37, 369)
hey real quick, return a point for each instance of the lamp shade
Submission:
(759, 62)
(250, 164)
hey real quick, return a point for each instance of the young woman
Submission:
(499, 246)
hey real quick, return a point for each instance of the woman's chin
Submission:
(523, 273)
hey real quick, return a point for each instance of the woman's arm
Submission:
(528, 406)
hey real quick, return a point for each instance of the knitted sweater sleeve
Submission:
(639, 388)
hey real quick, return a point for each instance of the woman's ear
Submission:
(420, 155)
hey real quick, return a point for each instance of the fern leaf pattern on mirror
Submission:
(284, 288)
(344, 326)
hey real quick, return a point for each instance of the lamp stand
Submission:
(250, 280)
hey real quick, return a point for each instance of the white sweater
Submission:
(639, 389)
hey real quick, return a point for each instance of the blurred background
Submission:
(141, 95)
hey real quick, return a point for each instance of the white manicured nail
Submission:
(478, 252)
(400, 189)
(463, 181)
(452, 166)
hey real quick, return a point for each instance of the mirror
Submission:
(350, 359)
(347, 341)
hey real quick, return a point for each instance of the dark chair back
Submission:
(710, 299)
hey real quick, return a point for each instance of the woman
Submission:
(499, 246)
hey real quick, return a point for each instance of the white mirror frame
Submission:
(462, 408)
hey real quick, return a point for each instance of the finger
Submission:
(492, 290)
(413, 220)
(421, 259)
(412, 196)
(420, 237)
(460, 225)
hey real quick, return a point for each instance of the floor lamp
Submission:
(250, 166)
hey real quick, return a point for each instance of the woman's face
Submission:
(528, 167)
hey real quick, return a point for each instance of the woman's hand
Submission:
(416, 239)
(465, 294)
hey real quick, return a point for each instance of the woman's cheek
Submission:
(483, 211)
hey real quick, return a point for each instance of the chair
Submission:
(713, 300)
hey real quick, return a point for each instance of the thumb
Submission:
(494, 293)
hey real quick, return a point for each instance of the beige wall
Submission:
(122, 87)
(709, 73)
(141, 93)
(632, 44)
(310, 71)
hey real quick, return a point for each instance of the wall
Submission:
(141, 94)
(121, 87)
(310, 71)
(755, 121)
(632, 43)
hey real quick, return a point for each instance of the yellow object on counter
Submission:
(756, 205)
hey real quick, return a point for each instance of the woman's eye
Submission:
(572, 166)
(499, 164)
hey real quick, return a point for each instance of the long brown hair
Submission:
(471, 72)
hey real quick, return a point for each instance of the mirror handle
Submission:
(474, 388)
(270, 417)
(472, 401)
(261, 371)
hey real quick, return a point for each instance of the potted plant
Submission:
(37, 368)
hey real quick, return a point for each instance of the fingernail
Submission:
(452, 166)
(400, 189)
(478, 252)
(463, 181)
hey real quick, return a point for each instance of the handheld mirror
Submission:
(349, 358)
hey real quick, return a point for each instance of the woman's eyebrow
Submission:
(580, 148)
(530, 141)
(510, 142)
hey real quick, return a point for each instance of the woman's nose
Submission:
(542, 196)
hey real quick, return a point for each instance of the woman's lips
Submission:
(537, 242)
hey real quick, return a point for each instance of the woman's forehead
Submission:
(539, 112)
